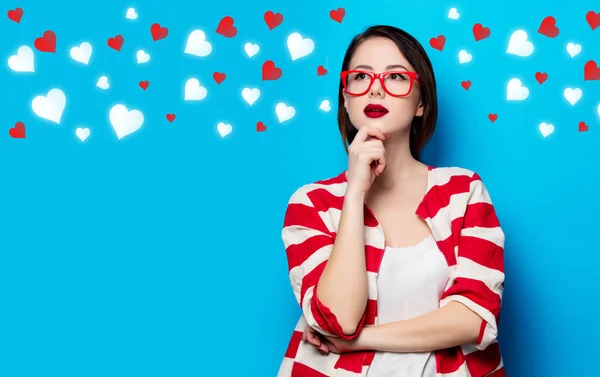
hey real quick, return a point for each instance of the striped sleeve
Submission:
(308, 244)
(479, 273)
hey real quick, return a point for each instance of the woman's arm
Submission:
(334, 268)
(452, 325)
(343, 286)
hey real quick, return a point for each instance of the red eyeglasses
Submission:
(395, 83)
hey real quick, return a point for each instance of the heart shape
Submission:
(116, 42)
(219, 77)
(15, 14)
(321, 71)
(18, 131)
(158, 32)
(171, 117)
(299, 46)
(546, 129)
(197, 44)
(270, 71)
(260, 127)
(466, 84)
(493, 117)
(46, 43)
(438, 43)
(548, 27)
(573, 49)
(453, 14)
(23, 61)
(515, 91)
(519, 45)
(224, 129)
(273, 19)
(251, 49)
(591, 71)
(337, 14)
(250, 95)
(573, 95)
(593, 19)
(82, 133)
(480, 32)
(284, 112)
(51, 106)
(583, 127)
(541, 77)
(226, 28)
(125, 122)
(144, 84)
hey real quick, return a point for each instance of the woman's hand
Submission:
(366, 158)
(327, 344)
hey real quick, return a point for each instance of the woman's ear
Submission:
(420, 109)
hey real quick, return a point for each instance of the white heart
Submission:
(298, 46)
(193, 90)
(515, 91)
(573, 95)
(125, 122)
(142, 57)
(546, 129)
(284, 112)
(22, 61)
(325, 106)
(82, 53)
(519, 45)
(251, 49)
(464, 57)
(224, 129)
(50, 107)
(573, 49)
(131, 14)
(82, 133)
(103, 83)
(197, 44)
(453, 14)
(250, 95)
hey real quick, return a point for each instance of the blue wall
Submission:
(160, 253)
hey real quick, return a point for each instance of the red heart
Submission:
(269, 71)
(321, 71)
(591, 71)
(15, 14)
(480, 32)
(493, 117)
(219, 77)
(466, 84)
(18, 131)
(548, 27)
(260, 127)
(593, 19)
(116, 42)
(273, 19)
(171, 117)
(47, 43)
(226, 27)
(438, 43)
(337, 14)
(144, 84)
(541, 77)
(158, 32)
(583, 127)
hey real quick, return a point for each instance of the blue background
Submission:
(160, 254)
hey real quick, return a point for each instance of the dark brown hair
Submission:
(422, 127)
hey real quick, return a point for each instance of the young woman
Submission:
(397, 265)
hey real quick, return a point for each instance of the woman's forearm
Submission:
(343, 286)
(449, 326)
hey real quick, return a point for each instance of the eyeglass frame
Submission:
(414, 76)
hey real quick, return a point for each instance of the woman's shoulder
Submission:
(328, 186)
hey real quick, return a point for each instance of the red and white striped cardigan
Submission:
(463, 221)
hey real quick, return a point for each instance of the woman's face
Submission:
(382, 55)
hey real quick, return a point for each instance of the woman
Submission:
(397, 265)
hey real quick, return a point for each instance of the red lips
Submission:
(375, 111)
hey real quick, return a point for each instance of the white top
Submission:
(410, 283)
